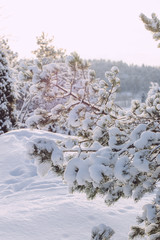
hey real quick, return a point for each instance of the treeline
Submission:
(134, 79)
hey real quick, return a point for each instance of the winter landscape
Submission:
(79, 145)
(38, 208)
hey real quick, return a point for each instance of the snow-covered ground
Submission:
(34, 208)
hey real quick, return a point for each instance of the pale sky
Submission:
(108, 29)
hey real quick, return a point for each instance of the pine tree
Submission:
(119, 156)
(152, 25)
(46, 51)
(12, 57)
(32, 83)
(7, 97)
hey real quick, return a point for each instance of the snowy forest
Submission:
(135, 80)
(94, 124)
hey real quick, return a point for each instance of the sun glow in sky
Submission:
(108, 29)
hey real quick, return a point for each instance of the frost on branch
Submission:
(152, 24)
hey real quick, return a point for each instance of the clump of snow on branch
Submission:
(101, 232)
(46, 153)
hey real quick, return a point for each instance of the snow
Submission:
(121, 169)
(73, 119)
(97, 171)
(140, 162)
(145, 140)
(77, 170)
(101, 230)
(137, 131)
(97, 133)
(149, 212)
(39, 208)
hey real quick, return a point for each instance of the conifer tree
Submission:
(29, 75)
(11, 56)
(118, 156)
(152, 25)
(7, 97)
(46, 51)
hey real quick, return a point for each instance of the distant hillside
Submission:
(134, 79)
